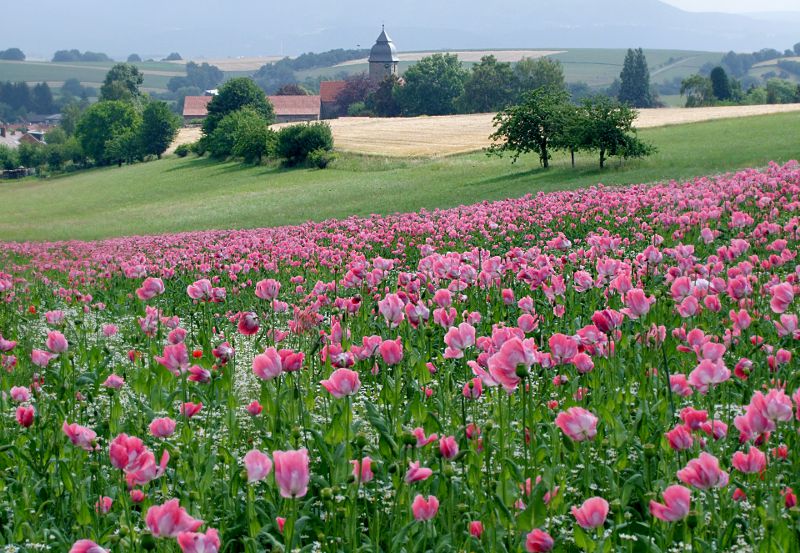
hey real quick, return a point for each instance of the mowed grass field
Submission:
(156, 74)
(191, 194)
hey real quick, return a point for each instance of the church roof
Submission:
(384, 50)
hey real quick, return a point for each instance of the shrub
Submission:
(296, 142)
(183, 150)
(321, 158)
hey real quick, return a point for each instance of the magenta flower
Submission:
(342, 383)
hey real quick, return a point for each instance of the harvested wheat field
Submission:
(236, 64)
(456, 134)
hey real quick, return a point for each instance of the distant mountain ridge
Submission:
(245, 27)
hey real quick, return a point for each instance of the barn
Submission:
(288, 109)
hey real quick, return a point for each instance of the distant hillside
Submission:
(246, 28)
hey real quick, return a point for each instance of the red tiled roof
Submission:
(196, 106)
(329, 90)
(295, 105)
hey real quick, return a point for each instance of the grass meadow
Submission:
(191, 194)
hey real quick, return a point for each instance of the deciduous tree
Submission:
(233, 96)
(122, 82)
(532, 126)
(158, 129)
(432, 86)
(489, 87)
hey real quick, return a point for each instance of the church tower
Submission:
(383, 58)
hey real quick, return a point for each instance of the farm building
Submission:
(288, 109)
(195, 108)
(329, 98)
(383, 63)
(291, 109)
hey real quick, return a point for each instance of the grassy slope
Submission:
(596, 67)
(91, 74)
(187, 194)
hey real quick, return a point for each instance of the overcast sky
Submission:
(736, 6)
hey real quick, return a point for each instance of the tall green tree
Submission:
(608, 128)
(103, 122)
(12, 54)
(233, 96)
(383, 102)
(720, 85)
(635, 80)
(122, 82)
(698, 91)
(432, 86)
(535, 125)
(536, 73)
(489, 87)
(42, 99)
(158, 129)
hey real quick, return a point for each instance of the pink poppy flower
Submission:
(677, 502)
(362, 470)
(267, 365)
(782, 297)
(42, 358)
(80, 436)
(592, 513)
(342, 383)
(151, 287)
(538, 541)
(422, 440)
(20, 394)
(56, 342)
(124, 450)
(753, 462)
(448, 447)
(425, 509)
(175, 359)
(257, 464)
(191, 542)
(680, 438)
(476, 529)
(416, 473)
(86, 546)
(114, 382)
(707, 374)
(458, 339)
(577, 423)
(703, 473)
(637, 304)
(392, 307)
(190, 409)
(391, 351)
(170, 519)
(163, 427)
(291, 472)
(268, 289)
(248, 324)
(25, 415)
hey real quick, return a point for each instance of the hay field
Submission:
(235, 64)
(456, 134)
(469, 56)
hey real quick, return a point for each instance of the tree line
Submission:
(124, 126)
(719, 89)
(440, 85)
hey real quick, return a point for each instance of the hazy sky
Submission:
(736, 6)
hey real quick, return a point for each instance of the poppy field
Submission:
(605, 369)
